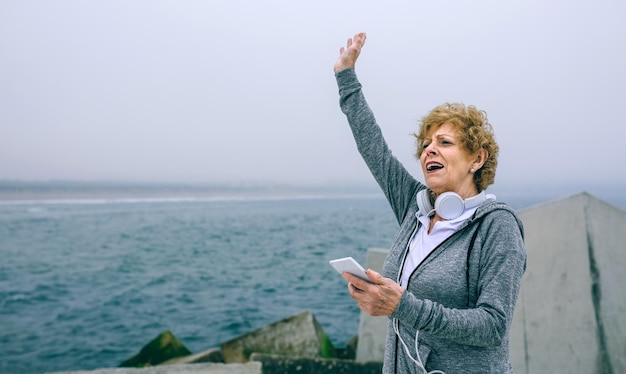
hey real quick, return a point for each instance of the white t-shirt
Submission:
(423, 243)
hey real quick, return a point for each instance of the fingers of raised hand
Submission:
(360, 39)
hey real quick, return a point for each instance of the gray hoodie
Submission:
(459, 302)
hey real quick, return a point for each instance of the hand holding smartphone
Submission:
(349, 265)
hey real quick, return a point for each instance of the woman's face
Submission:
(446, 165)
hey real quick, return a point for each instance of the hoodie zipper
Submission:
(406, 254)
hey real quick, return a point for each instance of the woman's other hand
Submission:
(349, 54)
(379, 297)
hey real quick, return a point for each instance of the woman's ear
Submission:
(479, 160)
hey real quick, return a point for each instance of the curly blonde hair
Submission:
(473, 128)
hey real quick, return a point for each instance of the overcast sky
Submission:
(243, 91)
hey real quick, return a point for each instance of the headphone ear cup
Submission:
(424, 202)
(449, 205)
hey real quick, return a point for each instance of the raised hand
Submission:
(349, 54)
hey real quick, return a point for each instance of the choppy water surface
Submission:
(86, 284)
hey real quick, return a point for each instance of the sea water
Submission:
(85, 284)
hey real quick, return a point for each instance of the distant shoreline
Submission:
(111, 199)
(34, 192)
(53, 192)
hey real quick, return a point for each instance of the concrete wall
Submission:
(571, 315)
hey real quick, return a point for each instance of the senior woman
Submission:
(452, 276)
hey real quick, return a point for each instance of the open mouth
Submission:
(432, 166)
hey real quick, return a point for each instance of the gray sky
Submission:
(243, 91)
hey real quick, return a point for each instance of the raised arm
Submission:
(395, 181)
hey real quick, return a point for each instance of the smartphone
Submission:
(349, 265)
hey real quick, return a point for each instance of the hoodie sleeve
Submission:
(397, 184)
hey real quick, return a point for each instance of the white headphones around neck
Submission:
(449, 205)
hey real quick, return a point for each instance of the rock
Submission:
(299, 335)
(162, 348)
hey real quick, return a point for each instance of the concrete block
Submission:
(160, 349)
(299, 335)
(209, 368)
(570, 314)
(211, 355)
(349, 352)
(282, 364)
(372, 330)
